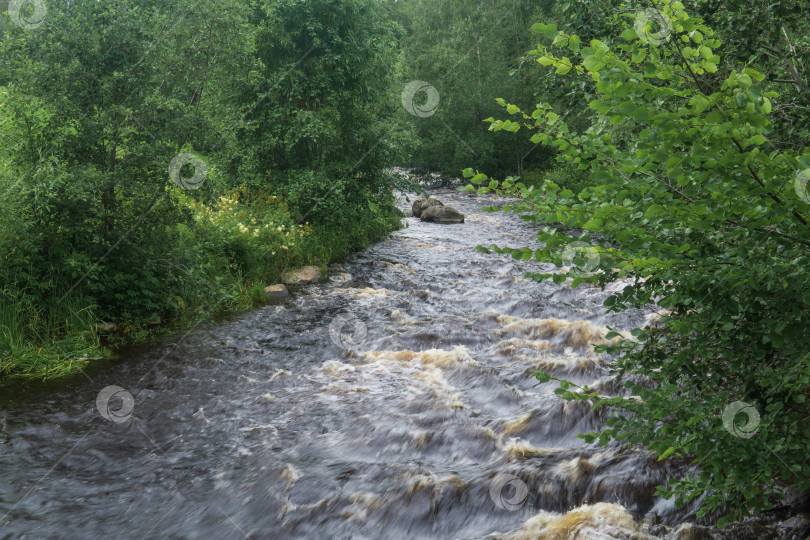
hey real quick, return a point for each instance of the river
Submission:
(391, 401)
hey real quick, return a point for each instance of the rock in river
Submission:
(442, 214)
(276, 292)
(302, 276)
(420, 205)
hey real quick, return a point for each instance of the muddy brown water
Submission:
(392, 401)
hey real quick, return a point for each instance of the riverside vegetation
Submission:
(96, 103)
(672, 135)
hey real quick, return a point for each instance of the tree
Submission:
(315, 111)
(470, 52)
(99, 100)
(702, 208)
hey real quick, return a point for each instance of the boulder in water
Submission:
(442, 214)
(276, 292)
(420, 205)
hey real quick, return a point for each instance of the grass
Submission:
(220, 268)
(46, 341)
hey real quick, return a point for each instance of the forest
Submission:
(162, 162)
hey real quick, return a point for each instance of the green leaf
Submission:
(668, 452)
(548, 30)
(600, 106)
(700, 102)
(765, 106)
(564, 66)
(754, 74)
(592, 224)
(757, 139)
(541, 376)
(591, 63)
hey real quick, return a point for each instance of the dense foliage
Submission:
(315, 122)
(698, 204)
(470, 52)
(272, 110)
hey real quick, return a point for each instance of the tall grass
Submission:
(217, 264)
(46, 341)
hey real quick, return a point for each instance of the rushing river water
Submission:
(392, 401)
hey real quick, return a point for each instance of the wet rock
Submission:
(211, 362)
(659, 531)
(795, 527)
(799, 502)
(420, 205)
(107, 328)
(276, 292)
(652, 518)
(302, 276)
(442, 214)
(199, 419)
(689, 531)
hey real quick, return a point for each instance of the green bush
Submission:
(218, 262)
(284, 102)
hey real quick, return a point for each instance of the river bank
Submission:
(231, 251)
